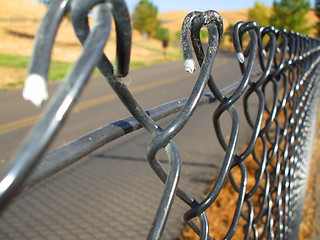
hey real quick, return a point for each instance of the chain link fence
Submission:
(280, 72)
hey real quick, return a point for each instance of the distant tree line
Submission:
(145, 20)
(288, 14)
(317, 11)
(46, 2)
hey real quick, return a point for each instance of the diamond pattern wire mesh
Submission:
(268, 176)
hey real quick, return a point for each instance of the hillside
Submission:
(20, 19)
(19, 22)
(173, 20)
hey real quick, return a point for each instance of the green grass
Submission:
(176, 55)
(137, 64)
(58, 69)
(13, 61)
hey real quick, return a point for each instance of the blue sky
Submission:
(190, 5)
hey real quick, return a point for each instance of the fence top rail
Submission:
(66, 155)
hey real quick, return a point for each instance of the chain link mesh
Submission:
(280, 72)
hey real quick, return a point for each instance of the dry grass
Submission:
(221, 213)
(20, 21)
(11, 73)
(173, 20)
(20, 17)
(307, 226)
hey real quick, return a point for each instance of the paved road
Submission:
(99, 106)
(111, 194)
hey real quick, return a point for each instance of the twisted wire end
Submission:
(35, 90)
(189, 65)
(240, 57)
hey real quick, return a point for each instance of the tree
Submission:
(145, 18)
(291, 15)
(260, 13)
(164, 36)
(317, 11)
(228, 33)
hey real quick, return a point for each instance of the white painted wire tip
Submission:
(264, 53)
(240, 57)
(189, 65)
(35, 89)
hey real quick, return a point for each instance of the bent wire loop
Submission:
(25, 160)
(287, 64)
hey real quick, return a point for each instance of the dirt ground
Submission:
(225, 204)
(313, 199)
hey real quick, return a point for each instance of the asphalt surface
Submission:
(112, 193)
(99, 106)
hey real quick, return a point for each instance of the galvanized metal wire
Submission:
(281, 127)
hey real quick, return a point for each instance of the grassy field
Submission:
(19, 65)
(58, 69)
(14, 65)
(20, 21)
